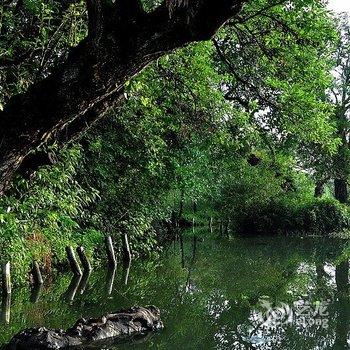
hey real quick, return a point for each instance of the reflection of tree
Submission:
(342, 277)
(241, 340)
(342, 306)
(179, 237)
(192, 260)
(320, 273)
(182, 251)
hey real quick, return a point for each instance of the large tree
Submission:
(335, 165)
(340, 96)
(122, 39)
(278, 66)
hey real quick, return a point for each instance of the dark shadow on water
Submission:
(115, 343)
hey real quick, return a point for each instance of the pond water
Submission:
(253, 293)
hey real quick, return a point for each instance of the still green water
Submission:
(254, 293)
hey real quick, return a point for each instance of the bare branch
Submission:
(260, 12)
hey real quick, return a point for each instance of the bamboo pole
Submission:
(211, 225)
(74, 265)
(112, 261)
(84, 259)
(6, 279)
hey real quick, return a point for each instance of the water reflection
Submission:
(6, 309)
(36, 292)
(342, 306)
(257, 293)
(83, 282)
(110, 280)
(72, 288)
(126, 272)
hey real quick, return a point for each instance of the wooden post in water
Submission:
(112, 261)
(173, 219)
(74, 265)
(84, 259)
(6, 279)
(211, 225)
(194, 206)
(37, 276)
(126, 249)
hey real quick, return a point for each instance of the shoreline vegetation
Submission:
(39, 225)
(45, 241)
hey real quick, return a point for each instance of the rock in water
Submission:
(117, 326)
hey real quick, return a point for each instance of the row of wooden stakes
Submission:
(73, 263)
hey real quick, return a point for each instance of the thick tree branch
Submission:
(96, 19)
(118, 46)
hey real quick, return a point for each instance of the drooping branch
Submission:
(242, 82)
(122, 40)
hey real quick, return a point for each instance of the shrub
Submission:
(282, 216)
(324, 216)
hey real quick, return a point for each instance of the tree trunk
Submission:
(319, 189)
(122, 40)
(341, 190)
(341, 159)
(342, 276)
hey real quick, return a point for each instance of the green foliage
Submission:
(278, 66)
(35, 35)
(316, 216)
(190, 128)
(50, 215)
